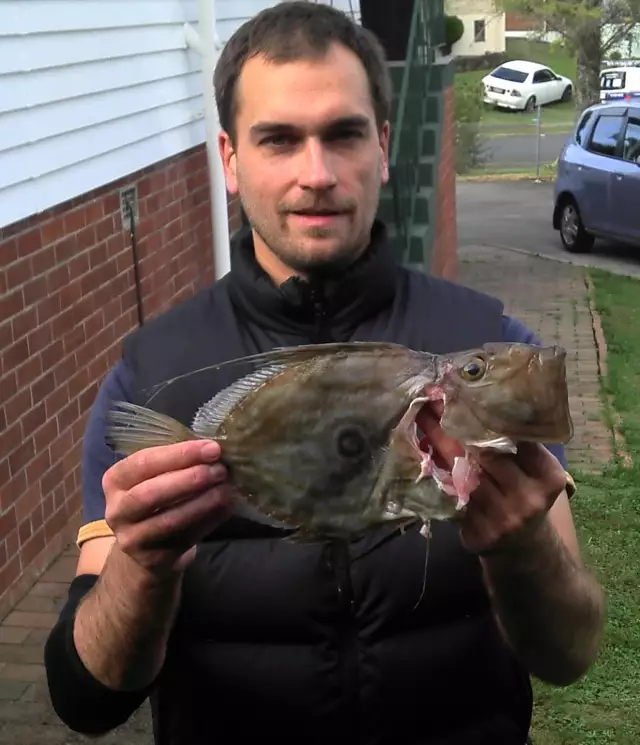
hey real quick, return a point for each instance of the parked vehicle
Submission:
(522, 86)
(620, 83)
(597, 185)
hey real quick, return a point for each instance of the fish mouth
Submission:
(458, 481)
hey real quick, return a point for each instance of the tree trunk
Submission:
(589, 60)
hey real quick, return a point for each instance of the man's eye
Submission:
(279, 140)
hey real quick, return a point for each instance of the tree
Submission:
(589, 29)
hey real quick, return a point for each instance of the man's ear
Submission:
(228, 156)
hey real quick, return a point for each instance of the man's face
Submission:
(309, 160)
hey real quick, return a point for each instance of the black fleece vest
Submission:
(322, 644)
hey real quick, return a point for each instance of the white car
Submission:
(522, 86)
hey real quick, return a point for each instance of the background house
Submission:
(103, 117)
(484, 27)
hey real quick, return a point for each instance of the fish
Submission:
(322, 439)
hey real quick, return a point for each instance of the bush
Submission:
(453, 29)
(469, 108)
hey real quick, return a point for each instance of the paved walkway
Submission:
(550, 297)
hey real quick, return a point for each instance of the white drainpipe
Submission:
(205, 41)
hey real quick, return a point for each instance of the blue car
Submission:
(597, 186)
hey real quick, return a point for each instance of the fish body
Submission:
(322, 439)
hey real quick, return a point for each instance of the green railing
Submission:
(407, 131)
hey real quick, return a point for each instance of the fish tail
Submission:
(131, 428)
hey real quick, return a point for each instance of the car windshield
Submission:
(611, 80)
(508, 73)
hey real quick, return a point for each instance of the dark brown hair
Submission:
(294, 30)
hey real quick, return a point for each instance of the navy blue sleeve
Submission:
(516, 331)
(97, 456)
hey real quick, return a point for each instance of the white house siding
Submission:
(90, 91)
(233, 13)
(93, 90)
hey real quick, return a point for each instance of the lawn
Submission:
(603, 707)
(555, 117)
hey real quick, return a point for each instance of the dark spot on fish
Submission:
(351, 443)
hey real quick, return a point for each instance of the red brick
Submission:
(45, 435)
(17, 406)
(66, 249)
(29, 242)
(34, 290)
(11, 304)
(28, 372)
(44, 260)
(33, 547)
(8, 522)
(21, 456)
(78, 266)
(39, 466)
(18, 273)
(27, 503)
(9, 573)
(33, 419)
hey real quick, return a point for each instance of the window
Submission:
(631, 145)
(581, 127)
(606, 133)
(479, 30)
(543, 76)
(613, 80)
(508, 73)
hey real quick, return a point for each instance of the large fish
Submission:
(323, 439)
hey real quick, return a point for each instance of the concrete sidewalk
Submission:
(549, 296)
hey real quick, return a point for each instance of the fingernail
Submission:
(210, 450)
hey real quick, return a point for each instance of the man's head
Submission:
(304, 101)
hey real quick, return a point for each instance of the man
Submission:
(235, 634)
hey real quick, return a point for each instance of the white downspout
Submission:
(205, 41)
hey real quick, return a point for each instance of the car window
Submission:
(542, 76)
(606, 132)
(613, 80)
(508, 73)
(581, 127)
(631, 149)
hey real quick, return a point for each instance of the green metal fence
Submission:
(412, 113)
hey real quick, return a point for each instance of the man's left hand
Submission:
(514, 495)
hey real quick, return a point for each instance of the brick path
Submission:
(550, 297)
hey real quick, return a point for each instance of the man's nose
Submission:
(316, 170)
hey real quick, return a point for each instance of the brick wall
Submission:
(444, 257)
(67, 297)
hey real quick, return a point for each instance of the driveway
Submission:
(517, 214)
(520, 150)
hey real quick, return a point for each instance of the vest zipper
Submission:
(320, 332)
(348, 640)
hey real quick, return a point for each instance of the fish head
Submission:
(506, 391)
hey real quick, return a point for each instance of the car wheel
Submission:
(531, 104)
(566, 94)
(574, 237)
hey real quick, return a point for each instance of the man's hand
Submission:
(547, 605)
(161, 501)
(515, 493)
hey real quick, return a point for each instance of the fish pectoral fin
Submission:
(131, 428)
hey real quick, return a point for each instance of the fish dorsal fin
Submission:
(287, 356)
(212, 414)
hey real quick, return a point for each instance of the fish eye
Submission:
(474, 370)
(351, 443)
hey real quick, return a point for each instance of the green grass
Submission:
(603, 707)
(555, 117)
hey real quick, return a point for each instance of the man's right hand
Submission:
(161, 501)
